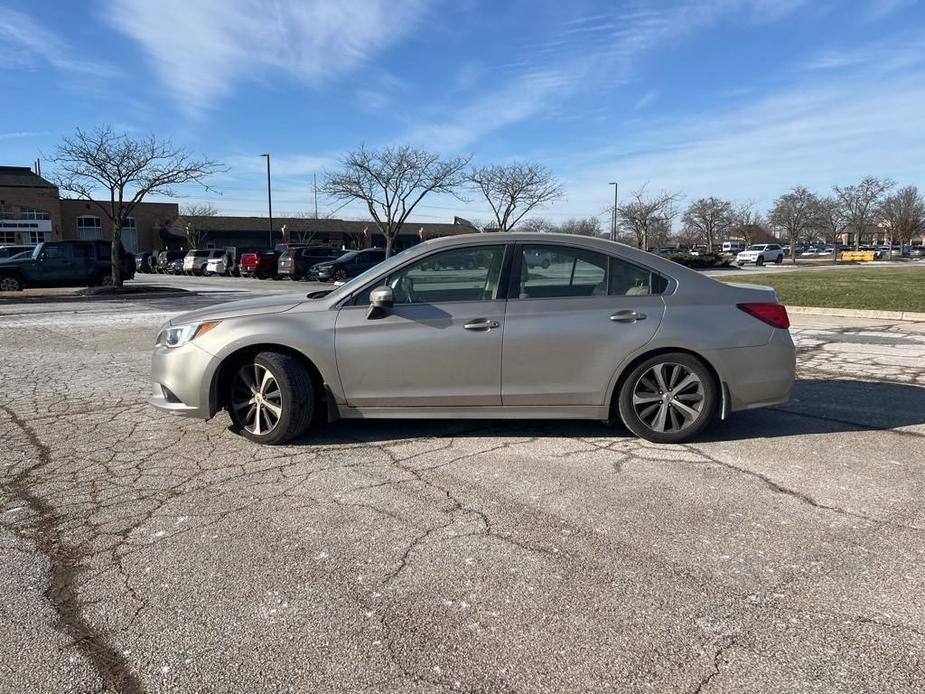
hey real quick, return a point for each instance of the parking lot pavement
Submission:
(138, 552)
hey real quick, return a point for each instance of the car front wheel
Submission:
(760, 260)
(340, 275)
(10, 283)
(668, 398)
(271, 399)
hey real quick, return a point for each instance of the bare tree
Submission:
(793, 215)
(538, 225)
(585, 226)
(128, 170)
(189, 223)
(831, 222)
(902, 215)
(513, 190)
(392, 181)
(859, 203)
(746, 223)
(647, 214)
(709, 218)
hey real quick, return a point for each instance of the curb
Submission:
(857, 313)
(7, 301)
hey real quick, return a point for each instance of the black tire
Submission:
(276, 277)
(760, 261)
(10, 283)
(706, 390)
(297, 278)
(545, 263)
(297, 398)
(340, 274)
(261, 275)
(778, 260)
(104, 279)
(206, 273)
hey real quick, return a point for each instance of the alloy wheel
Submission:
(9, 284)
(668, 397)
(256, 399)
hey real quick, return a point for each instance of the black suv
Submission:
(349, 265)
(297, 261)
(164, 258)
(65, 264)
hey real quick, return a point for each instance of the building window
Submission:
(7, 237)
(37, 237)
(89, 228)
(33, 213)
(130, 235)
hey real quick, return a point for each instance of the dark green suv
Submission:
(64, 264)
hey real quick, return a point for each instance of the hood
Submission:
(238, 309)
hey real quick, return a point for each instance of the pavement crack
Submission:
(714, 671)
(64, 566)
(799, 496)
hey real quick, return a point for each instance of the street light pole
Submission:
(613, 217)
(269, 199)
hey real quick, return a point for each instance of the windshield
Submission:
(756, 248)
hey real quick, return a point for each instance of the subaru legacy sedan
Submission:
(469, 327)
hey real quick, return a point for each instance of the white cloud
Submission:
(24, 42)
(592, 52)
(202, 49)
(815, 135)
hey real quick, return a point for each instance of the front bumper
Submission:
(183, 381)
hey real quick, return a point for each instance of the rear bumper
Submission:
(757, 376)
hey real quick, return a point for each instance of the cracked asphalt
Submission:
(783, 551)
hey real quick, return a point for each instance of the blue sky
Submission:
(739, 99)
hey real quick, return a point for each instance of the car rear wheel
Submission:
(272, 399)
(10, 283)
(668, 398)
(104, 279)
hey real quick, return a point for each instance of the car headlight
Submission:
(178, 335)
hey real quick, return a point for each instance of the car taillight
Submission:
(774, 315)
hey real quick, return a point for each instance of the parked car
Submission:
(175, 266)
(607, 332)
(733, 247)
(260, 264)
(144, 262)
(760, 253)
(917, 252)
(221, 265)
(165, 257)
(348, 265)
(11, 250)
(65, 264)
(194, 262)
(295, 262)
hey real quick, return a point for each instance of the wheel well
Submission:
(222, 378)
(614, 395)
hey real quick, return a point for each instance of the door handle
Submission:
(482, 324)
(627, 316)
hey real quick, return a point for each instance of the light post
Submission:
(613, 217)
(269, 199)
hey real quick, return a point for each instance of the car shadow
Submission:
(817, 406)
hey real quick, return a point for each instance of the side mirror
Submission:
(380, 301)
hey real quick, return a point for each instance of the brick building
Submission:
(253, 232)
(32, 211)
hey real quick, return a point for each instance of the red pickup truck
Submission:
(261, 265)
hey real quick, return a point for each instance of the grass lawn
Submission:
(884, 289)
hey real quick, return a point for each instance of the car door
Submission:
(55, 266)
(439, 345)
(571, 322)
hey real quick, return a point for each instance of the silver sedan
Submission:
(513, 325)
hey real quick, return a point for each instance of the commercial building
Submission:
(32, 211)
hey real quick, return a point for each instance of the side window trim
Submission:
(516, 263)
(503, 279)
